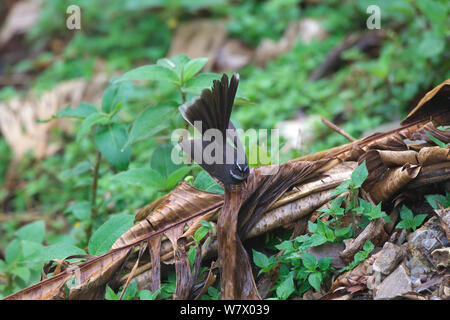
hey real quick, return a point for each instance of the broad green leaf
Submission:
(22, 272)
(418, 220)
(175, 63)
(34, 231)
(131, 291)
(286, 288)
(110, 294)
(368, 246)
(359, 175)
(406, 214)
(343, 187)
(435, 199)
(81, 210)
(116, 94)
(161, 160)
(149, 122)
(260, 259)
(141, 177)
(192, 67)
(59, 250)
(12, 252)
(176, 176)
(151, 72)
(200, 233)
(81, 111)
(200, 82)
(110, 140)
(431, 45)
(309, 261)
(31, 250)
(315, 279)
(285, 245)
(88, 122)
(104, 237)
(324, 263)
(206, 183)
(148, 295)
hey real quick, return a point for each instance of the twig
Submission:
(338, 130)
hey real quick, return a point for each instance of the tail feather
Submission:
(213, 107)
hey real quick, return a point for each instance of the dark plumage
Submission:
(213, 109)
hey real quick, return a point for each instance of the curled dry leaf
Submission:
(392, 181)
(433, 103)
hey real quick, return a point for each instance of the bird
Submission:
(219, 151)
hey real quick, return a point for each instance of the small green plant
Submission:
(131, 292)
(360, 256)
(438, 201)
(408, 220)
(26, 254)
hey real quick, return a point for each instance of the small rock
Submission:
(425, 240)
(389, 258)
(396, 284)
(441, 257)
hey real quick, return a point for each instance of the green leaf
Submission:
(309, 261)
(104, 237)
(315, 279)
(115, 95)
(12, 252)
(22, 272)
(148, 295)
(343, 187)
(406, 214)
(110, 140)
(149, 122)
(324, 263)
(176, 176)
(200, 82)
(434, 199)
(404, 224)
(34, 231)
(83, 110)
(368, 246)
(192, 67)
(431, 45)
(200, 233)
(88, 122)
(81, 210)
(131, 291)
(110, 294)
(260, 259)
(80, 168)
(359, 175)
(141, 177)
(150, 72)
(418, 220)
(59, 250)
(206, 183)
(31, 250)
(286, 288)
(285, 245)
(161, 160)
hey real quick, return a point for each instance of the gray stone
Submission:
(396, 284)
(389, 258)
